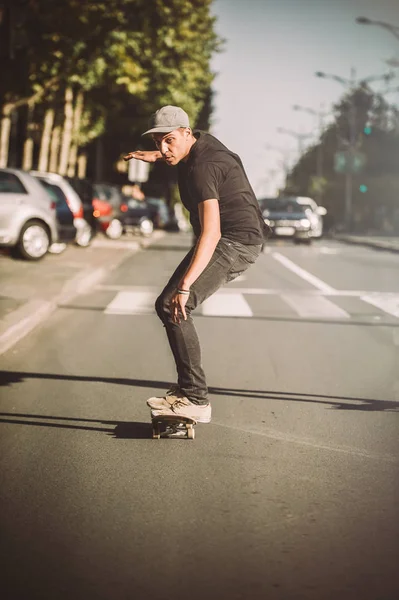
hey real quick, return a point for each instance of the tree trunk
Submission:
(5, 136)
(82, 164)
(27, 158)
(77, 117)
(67, 132)
(55, 148)
(46, 139)
(6, 118)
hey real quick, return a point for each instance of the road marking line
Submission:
(221, 305)
(318, 283)
(131, 303)
(312, 443)
(314, 306)
(230, 289)
(389, 303)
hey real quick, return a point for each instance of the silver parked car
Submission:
(315, 214)
(28, 222)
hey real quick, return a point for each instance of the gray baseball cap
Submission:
(166, 119)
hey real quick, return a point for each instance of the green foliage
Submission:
(128, 56)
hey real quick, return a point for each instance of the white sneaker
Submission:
(201, 413)
(160, 402)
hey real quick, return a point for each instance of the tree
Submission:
(376, 145)
(113, 62)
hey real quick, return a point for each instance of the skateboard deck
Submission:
(173, 426)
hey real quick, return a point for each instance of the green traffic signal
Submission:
(363, 188)
(367, 130)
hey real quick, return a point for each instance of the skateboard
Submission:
(173, 426)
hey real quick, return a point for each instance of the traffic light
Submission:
(367, 130)
(363, 188)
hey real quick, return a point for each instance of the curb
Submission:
(27, 317)
(386, 246)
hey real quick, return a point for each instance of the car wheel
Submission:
(114, 230)
(146, 227)
(84, 236)
(34, 241)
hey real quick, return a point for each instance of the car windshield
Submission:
(133, 203)
(281, 205)
(306, 206)
(10, 184)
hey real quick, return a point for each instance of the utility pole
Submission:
(320, 114)
(351, 152)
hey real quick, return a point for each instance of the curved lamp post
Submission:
(394, 29)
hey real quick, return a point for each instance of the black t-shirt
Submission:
(213, 171)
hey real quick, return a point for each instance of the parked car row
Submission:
(83, 219)
(296, 217)
(39, 209)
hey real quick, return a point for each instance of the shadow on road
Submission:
(166, 248)
(334, 402)
(120, 429)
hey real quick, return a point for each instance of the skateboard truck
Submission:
(173, 426)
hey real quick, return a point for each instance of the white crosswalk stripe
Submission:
(389, 303)
(250, 302)
(314, 306)
(226, 305)
(131, 303)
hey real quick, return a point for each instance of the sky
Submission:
(272, 50)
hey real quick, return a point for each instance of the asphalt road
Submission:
(290, 493)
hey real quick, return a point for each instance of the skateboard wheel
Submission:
(155, 434)
(190, 433)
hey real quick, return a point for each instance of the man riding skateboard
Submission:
(229, 228)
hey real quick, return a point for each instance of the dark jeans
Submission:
(229, 260)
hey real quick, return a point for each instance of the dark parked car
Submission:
(65, 218)
(85, 191)
(107, 202)
(286, 218)
(82, 211)
(137, 216)
(160, 212)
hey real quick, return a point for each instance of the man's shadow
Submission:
(141, 430)
(116, 429)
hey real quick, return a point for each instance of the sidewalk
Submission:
(390, 243)
(31, 291)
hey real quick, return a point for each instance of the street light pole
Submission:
(320, 114)
(352, 144)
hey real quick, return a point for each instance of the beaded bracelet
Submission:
(184, 292)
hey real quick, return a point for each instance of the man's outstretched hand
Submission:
(149, 156)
